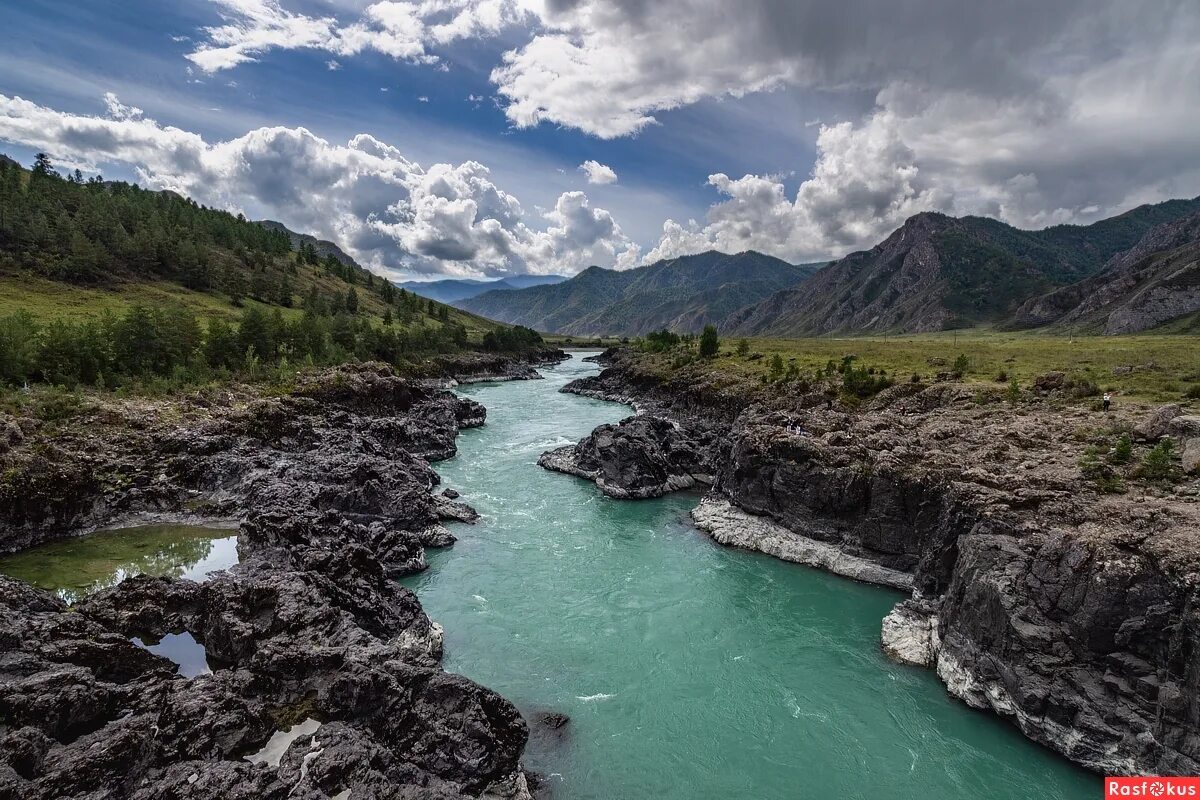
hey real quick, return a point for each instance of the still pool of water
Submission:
(74, 568)
(690, 671)
(182, 648)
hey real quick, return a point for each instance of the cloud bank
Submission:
(1029, 111)
(390, 212)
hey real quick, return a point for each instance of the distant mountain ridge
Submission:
(451, 290)
(937, 272)
(1152, 283)
(682, 294)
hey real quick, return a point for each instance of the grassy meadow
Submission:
(1147, 368)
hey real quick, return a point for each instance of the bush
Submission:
(710, 343)
(1102, 475)
(1193, 392)
(660, 341)
(862, 382)
(1014, 391)
(962, 365)
(1122, 453)
(743, 347)
(1159, 463)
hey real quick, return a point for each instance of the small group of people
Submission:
(795, 427)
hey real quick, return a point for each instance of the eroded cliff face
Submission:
(334, 491)
(1071, 612)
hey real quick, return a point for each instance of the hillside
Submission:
(938, 272)
(323, 247)
(1156, 281)
(452, 290)
(682, 294)
(106, 283)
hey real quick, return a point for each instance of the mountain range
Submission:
(1136, 271)
(682, 294)
(938, 272)
(452, 290)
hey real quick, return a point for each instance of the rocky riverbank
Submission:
(1039, 591)
(332, 484)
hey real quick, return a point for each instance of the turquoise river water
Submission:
(689, 671)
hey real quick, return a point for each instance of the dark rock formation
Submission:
(353, 440)
(639, 457)
(335, 492)
(479, 367)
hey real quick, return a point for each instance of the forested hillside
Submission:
(104, 283)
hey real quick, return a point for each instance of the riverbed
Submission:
(689, 670)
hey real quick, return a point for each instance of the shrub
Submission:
(1014, 391)
(660, 341)
(1122, 453)
(743, 347)
(710, 343)
(1193, 392)
(862, 382)
(1102, 475)
(962, 365)
(1159, 463)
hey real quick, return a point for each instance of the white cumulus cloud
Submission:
(598, 173)
(387, 210)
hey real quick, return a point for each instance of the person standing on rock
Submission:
(1107, 401)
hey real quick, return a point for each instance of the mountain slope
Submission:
(683, 294)
(72, 250)
(938, 272)
(452, 290)
(1154, 282)
(324, 247)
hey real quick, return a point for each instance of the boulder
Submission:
(1050, 382)
(1186, 430)
(1154, 427)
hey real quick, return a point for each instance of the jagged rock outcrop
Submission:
(1074, 613)
(355, 440)
(334, 488)
(479, 367)
(639, 457)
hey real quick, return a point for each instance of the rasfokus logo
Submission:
(1151, 787)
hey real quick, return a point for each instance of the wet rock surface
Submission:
(332, 483)
(1073, 612)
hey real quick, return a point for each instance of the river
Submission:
(689, 671)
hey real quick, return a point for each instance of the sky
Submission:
(484, 138)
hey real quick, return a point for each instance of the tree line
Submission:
(146, 343)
